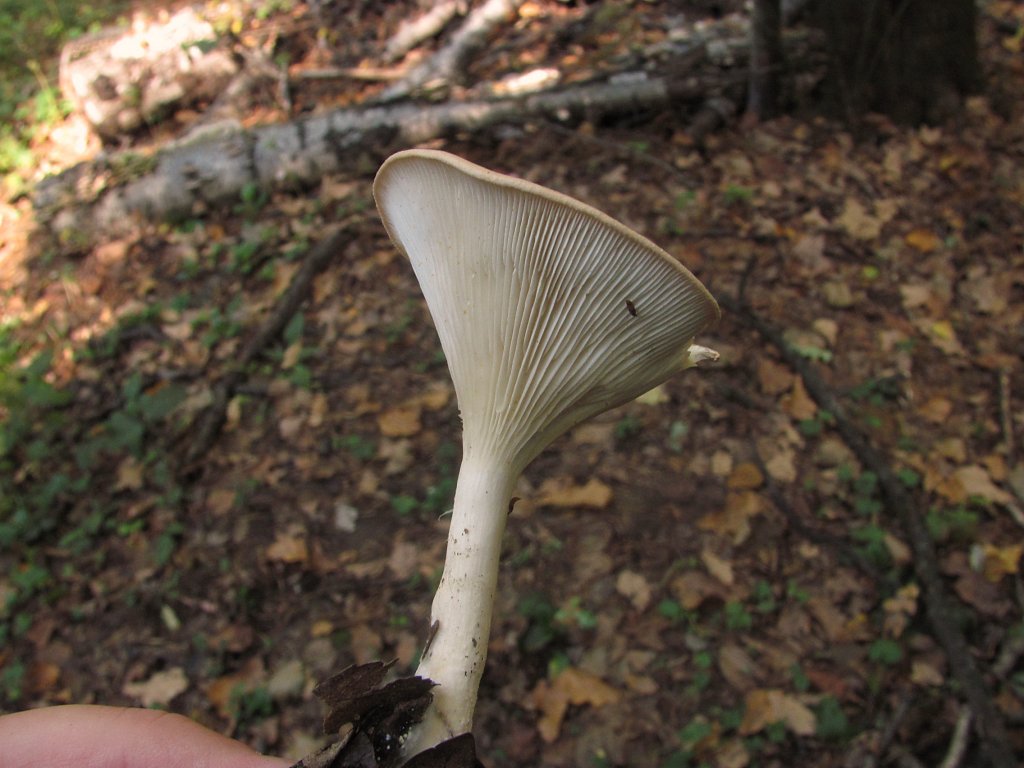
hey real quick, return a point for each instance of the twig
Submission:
(961, 738)
(1010, 654)
(892, 725)
(987, 721)
(209, 424)
(367, 74)
(1006, 416)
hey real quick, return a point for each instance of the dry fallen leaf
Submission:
(745, 477)
(773, 378)
(130, 474)
(572, 686)
(858, 222)
(733, 520)
(556, 493)
(718, 567)
(798, 403)
(737, 667)
(693, 588)
(900, 609)
(977, 482)
(998, 562)
(634, 587)
(289, 546)
(159, 689)
(766, 706)
(223, 692)
(922, 240)
(403, 421)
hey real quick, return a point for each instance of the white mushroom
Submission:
(549, 312)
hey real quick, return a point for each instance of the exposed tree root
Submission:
(209, 424)
(988, 724)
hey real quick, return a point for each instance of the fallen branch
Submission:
(208, 425)
(447, 63)
(412, 33)
(987, 722)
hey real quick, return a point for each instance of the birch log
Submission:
(107, 197)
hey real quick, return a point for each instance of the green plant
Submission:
(252, 198)
(250, 705)
(573, 613)
(404, 504)
(703, 661)
(671, 610)
(885, 651)
(735, 193)
(628, 426)
(542, 629)
(871, 544)
(361, 447)
(832, 723)
(816, 425)
(957, 523)
(737, 618)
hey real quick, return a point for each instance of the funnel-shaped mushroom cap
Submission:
(548, 311)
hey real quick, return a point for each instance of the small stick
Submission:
(961, 738)
(1006, 415)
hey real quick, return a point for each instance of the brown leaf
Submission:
(634, 587)
(798, 404)
(858, 222)
(41, 677)
(289, 546)
(693, 588)
(922, 240)
(572, 686)
(718, 567)
(734, 519)
(773, 378)
(404, 559)
(130, 474)
(781, 465)
(745, 477)
(403, 421)
(998, 562)
(159, 689)
(594, 494)
(223, 692)
(976, 482)
(983, 595)
(767, 706)
(936, 409)
(736, 666)
(365, 643)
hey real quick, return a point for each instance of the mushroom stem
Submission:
(464, 600)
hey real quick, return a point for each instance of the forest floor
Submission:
(708, 575)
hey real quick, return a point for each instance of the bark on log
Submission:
(107, 197)
(449, 62)
(412, 33)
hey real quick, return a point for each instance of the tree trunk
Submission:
(765, 59)
(913, 60)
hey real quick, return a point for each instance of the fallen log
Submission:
(109, 196)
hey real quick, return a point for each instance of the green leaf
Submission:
(885, 651)
(158, 404)
(293, 331)
(403, 504)
(832, 721)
